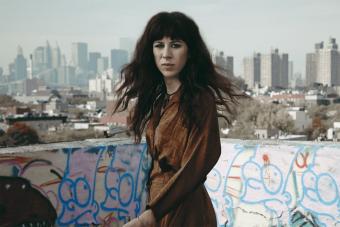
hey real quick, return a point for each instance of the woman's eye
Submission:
(158, 45)
(176, 45)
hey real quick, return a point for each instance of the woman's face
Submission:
(170, 56)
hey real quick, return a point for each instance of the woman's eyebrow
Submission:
(177, 40)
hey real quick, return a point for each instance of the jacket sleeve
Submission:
(201, 153)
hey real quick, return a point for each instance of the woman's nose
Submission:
(166, 52)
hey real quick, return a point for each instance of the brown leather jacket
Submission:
(182, 158)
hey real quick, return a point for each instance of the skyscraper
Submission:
(93, 58)
(311, 68)
(79, 56)
(48, 55)
(230, 64)
(323, 66)
(274, 69)
(226, 64)
(118, 59)
(219, 59)
(291, 74)
(30, 68)
(56, 57)
(20, 66)
(328, 64)
(11, 71)
(252, 70)
(284, 71)
(39, 60)
(102, 64)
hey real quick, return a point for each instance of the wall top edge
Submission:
(73, 144)
(110, 141)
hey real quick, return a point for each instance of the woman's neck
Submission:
(172, 85)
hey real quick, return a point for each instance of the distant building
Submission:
(20, 66)
(44, 58)
(291, 82)
(80, 62)
(48, 55)
(219, 59)
(49, 76)
(118, 59)
(15, 87)
(289, 99)
(11, 72)
(298, 81)
(323, 66)
(79, 56)
(102, 84)
(30, 68)
(32, 84)
(314, 98)
(252, 70)
(300, 118)
(67, 75)
(39, 60)
(14, 110)
(55, 105)
(39, 123)
(230, 64)
(93, 61)
(265, 133)
(102, 64)
(56, 57)
(225, 63)
(311, 68)
(117, 119)
(274, 69)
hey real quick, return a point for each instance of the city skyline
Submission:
(240, 28)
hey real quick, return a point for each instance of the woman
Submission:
(177, 91)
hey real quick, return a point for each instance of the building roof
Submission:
(12, 119)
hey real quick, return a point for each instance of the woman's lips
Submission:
(167, 66)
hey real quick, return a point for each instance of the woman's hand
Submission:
(146, 219)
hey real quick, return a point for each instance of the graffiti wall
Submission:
(253, 184)
(71, 186)
(276, 185)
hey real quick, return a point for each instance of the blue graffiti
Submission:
(266, 184)
(77, 188)
(320, 190)
(246, 175)
(125, 181)
(220, 187)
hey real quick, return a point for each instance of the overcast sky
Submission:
(237, 27)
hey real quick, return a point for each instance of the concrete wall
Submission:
(255, 183)
(284, 184)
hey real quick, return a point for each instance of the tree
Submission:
(8, 101)
(21, 134)
(284, 122)
(252, 114)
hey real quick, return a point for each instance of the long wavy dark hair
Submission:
(142, 81)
